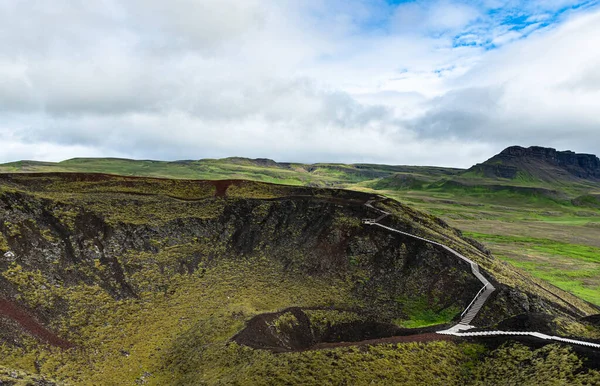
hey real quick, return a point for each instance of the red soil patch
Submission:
(429, 337)
(30, 324)
(221, 187)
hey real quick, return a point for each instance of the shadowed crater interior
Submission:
(295, 329)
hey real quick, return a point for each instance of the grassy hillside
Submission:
(492, 209)
(228, 168)
(150, 279)
(554, 240)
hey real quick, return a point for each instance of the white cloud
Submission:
(427, 17)
(506, 38)
(293, 80)
(530, 92)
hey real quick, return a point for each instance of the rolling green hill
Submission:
(241, 168)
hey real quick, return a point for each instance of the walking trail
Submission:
(467, 316)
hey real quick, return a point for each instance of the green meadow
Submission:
(552, 240)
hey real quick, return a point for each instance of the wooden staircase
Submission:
(467, 316)
(473, 309)
(477, 303)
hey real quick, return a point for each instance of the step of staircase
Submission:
(476, 307)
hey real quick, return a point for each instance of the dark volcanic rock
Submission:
(538, 161)
(499, 170)
(538, 322)
(592, 319)
(580, 165)
(264, 332)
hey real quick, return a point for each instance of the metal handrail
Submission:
(474, 266)
(474, 300)
(475, 270)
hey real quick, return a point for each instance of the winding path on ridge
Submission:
(467, 316)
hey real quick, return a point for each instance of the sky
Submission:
(431, 82)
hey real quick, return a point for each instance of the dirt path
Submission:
(31, 325)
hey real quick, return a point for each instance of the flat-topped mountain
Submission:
(540, 163)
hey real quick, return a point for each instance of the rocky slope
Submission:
(544, 164)
(140, 273)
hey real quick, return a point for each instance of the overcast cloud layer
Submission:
(439, 82)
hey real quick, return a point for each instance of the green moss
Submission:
(34, 288)
(49, 236)
(421, 313)
(21, 378)
(140, 335)
(346, 222)
(12, 229)
(4, 247)
(261, 211)
(321, 320)
(332, 317)
(520, 365)
(162, 271)
(66, 215)
(247, 189)
(178, 189)
(285, 323)
(436, 363)
(567, 327)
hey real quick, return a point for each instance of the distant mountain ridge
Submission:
(260, 169)
(558, 173)
(535, 162)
